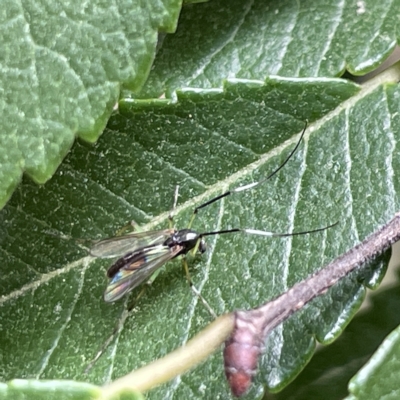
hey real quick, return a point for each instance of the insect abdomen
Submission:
(124, 261)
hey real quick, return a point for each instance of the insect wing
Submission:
(120, 245)
(133, 274)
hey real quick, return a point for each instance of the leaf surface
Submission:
(53, 319)
(19, 389)
(378, 378)
(254, 39)
(62, 66)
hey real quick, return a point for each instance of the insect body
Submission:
(141, 254)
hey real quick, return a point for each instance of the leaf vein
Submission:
(62, 328)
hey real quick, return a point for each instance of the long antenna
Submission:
(265, 233)
(254, 184)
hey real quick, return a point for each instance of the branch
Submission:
(252, 327)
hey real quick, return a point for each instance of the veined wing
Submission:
(120, 245)
(144, 264)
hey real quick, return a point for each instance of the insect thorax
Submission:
(187, 238)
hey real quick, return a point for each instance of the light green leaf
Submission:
(62, 65)
(378, 379)
(53, 318)
(57, 390)
(253, 39)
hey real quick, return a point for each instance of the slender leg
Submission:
(195, 291)
(172, 212)
(114, 333)
(117, 330)
(192, 219)
(143, 291)
(131, 226)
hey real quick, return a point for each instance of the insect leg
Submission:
(172, 212)
(142, 292)
(204, 301)
(121, 322)
(104, 346)
(196, 248)
(192, 219)
(195, 291)
(131, 226)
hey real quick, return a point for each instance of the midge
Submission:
(140, 255)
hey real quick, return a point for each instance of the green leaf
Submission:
(62, 65)
(58, 390)
(53, 317)
(378, 378)
(61, 71)
(251, 40)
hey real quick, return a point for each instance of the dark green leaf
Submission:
(53, 318)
